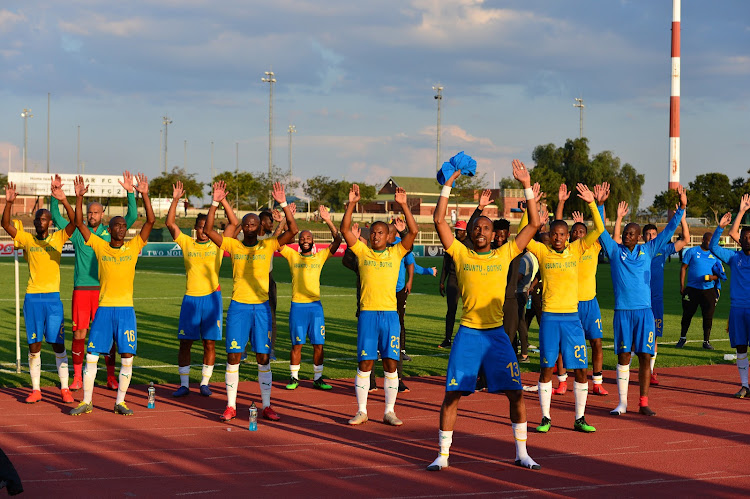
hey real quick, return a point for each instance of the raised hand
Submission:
(127, 181)
(142, 182)
(543, 217)
(292, 208)
(80, 187)
(521, 173)
(577, 217)
(356, 230)
(584, 193)
(57, 191)
(220, 191)
(324, 214)
(601, 193)
(538, 194)
(745, 203)
(177, 190)
(725, 220)
(354, 194)
(622, 209)
(485, 199)
(10, 192)
(400, 224)
(563, 193)
(683, 196)
(400, 196)
(434, 271)
(277, 216)
(278, 192)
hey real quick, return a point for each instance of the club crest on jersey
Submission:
(91, 344)
(182, 332)
(453, 382)
(363, 353)
(234, 345)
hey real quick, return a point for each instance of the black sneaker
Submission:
(445, 344)
(402, 388)
(681, 342)
(707, 345)
(404, 356)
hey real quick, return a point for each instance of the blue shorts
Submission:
(44, 318)
(200, 317)
(634, 331)
(739, 326)
(246, 321)
(113, 324)
(562, 334)
(591, 319)
(488, 349)
(306, 321)
(657, 307)
(378, 331)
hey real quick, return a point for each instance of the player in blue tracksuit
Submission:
(739, 288)
(633, 324)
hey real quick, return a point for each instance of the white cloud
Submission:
(8, 19)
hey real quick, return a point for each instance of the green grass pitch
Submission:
(160, 284)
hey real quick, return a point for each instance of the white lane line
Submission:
(36, 445)
(678, 442)
(65, 471)
(277, 484)
(145, 464)
(111, 440)
(358, 476)
(710, 473)
(198, 492)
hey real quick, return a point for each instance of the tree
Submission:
(161, 186)
(334, 193)
(711, 194)
(3, 182)
(466, 187)
(665, 201)
(265, 183)
(242, 189)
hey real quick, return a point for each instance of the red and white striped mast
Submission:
(674, 101)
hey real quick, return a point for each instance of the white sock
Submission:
(61, 359)
(562, 378)
(520, 436)
(89, 377)
(35, 369)
(206, 373)
(126, 372)
(742, 365)
(318, 371)
(184, 375)
(598, 378)
(294, 369)
(653, 362)
(232, 379)
(265, 377)
(581, 392)
(390, 387)
(623, 380)
(361, 389)
(445, 439)
(545, 397)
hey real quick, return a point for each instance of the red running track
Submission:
(697, 445)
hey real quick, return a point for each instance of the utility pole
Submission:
(579, 104)
(292, 129)
(270, 79)
(674, 100)
(237, 175)
(26, 114)
(78, 151)
(213, 175)
(166, 122)
(439, 99)
(48, 106)
(184, 164)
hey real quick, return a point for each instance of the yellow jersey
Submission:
(378, 275)
(202, 265)
(587, 273)
(305, 270)
(116, 270)
(482, 278)
(43, 256)
(250, 268)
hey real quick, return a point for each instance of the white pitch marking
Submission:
(277, 484)
(358, 476)
(64, 471)
(198, 492)
(678, 442)
(36, 445)
(111, 440)
(144, 464)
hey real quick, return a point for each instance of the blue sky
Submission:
(356, 78)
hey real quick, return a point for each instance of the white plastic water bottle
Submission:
(151, 396)
(253, 425)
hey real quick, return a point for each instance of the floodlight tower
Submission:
(292, 129)
(25, 114)
(674, 101)
(166, 122)
(439, 98)
(579, 104)
(270, 79)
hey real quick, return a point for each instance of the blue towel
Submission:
(718, 269)
(460, 161)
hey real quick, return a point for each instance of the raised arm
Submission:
(280, 197)
(177, 192)
(588, 196)
(346, 222)
(527, 233)
(622, 211)
(10, 197)
(59, 195)
(562, 195)
(219, 196)
(408, 240)
(326, 216)
(80, 189)
(142, 188)
(485, 199)
(233, 227)
(722, 254)
(54, 207)
(280, 220)
(127, 183)
(679, 244)
(438, 217)
(734, 232)
(666, 235)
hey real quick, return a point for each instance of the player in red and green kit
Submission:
(42, 308)
(86, 278)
